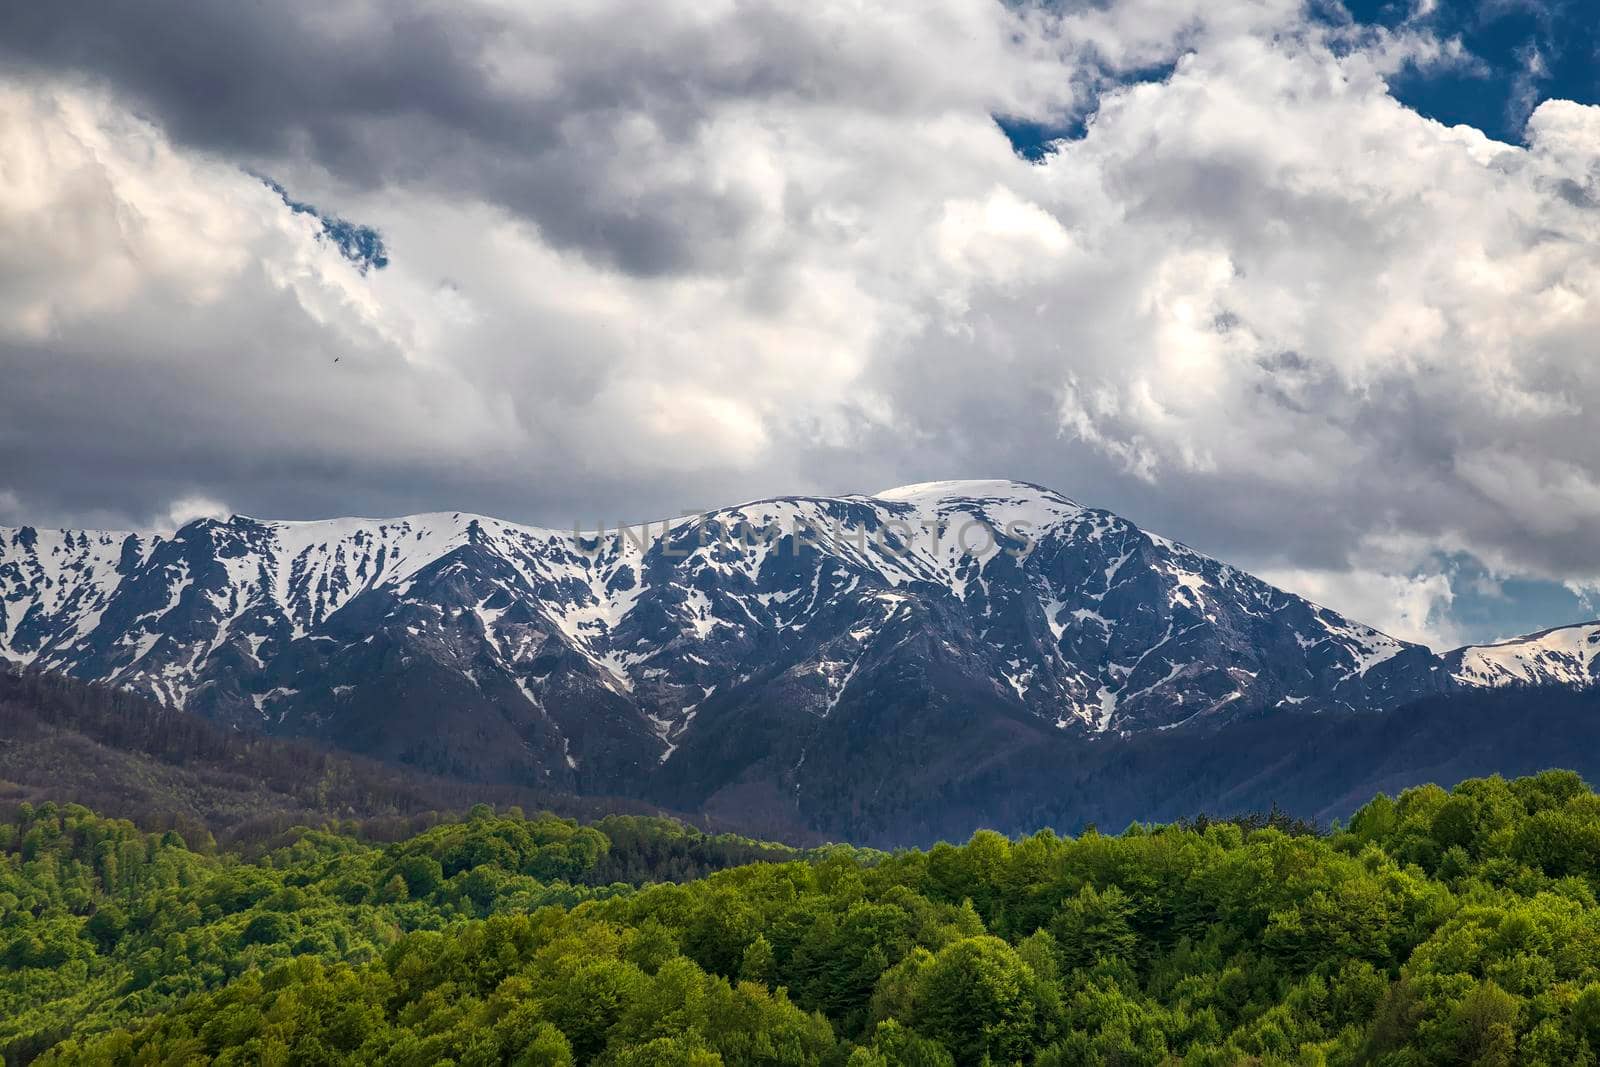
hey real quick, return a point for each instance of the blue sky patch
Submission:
(1035, 139)
(1521, 53)
(361, 245)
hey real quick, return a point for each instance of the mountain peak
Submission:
(744, 649)
(1563, 655)
(971, 489)
(1001, 502)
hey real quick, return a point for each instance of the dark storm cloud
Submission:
(387, 94)
(545, 116)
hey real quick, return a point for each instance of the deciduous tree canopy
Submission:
(1438, 927)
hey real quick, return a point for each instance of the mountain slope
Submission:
(1317, 767)
(69, 741)
(813, 655)
(1565, 656)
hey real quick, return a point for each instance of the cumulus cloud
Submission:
(1410, 607)
(649, 258)
(1372, 317)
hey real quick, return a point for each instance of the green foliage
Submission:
(101, 924)
(1439, 927)
(981, 1001)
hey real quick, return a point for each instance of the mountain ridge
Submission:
(769, 653)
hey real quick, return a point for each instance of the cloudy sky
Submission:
(1313, 288)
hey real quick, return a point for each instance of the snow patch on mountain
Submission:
(1567, 655)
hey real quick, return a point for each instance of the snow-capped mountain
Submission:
(777, 648)
(1565, 656)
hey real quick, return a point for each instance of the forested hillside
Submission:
(112, 750)
(69, 741)
(101, 923)
(1439, 927)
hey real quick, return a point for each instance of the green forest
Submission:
(1438, 927)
